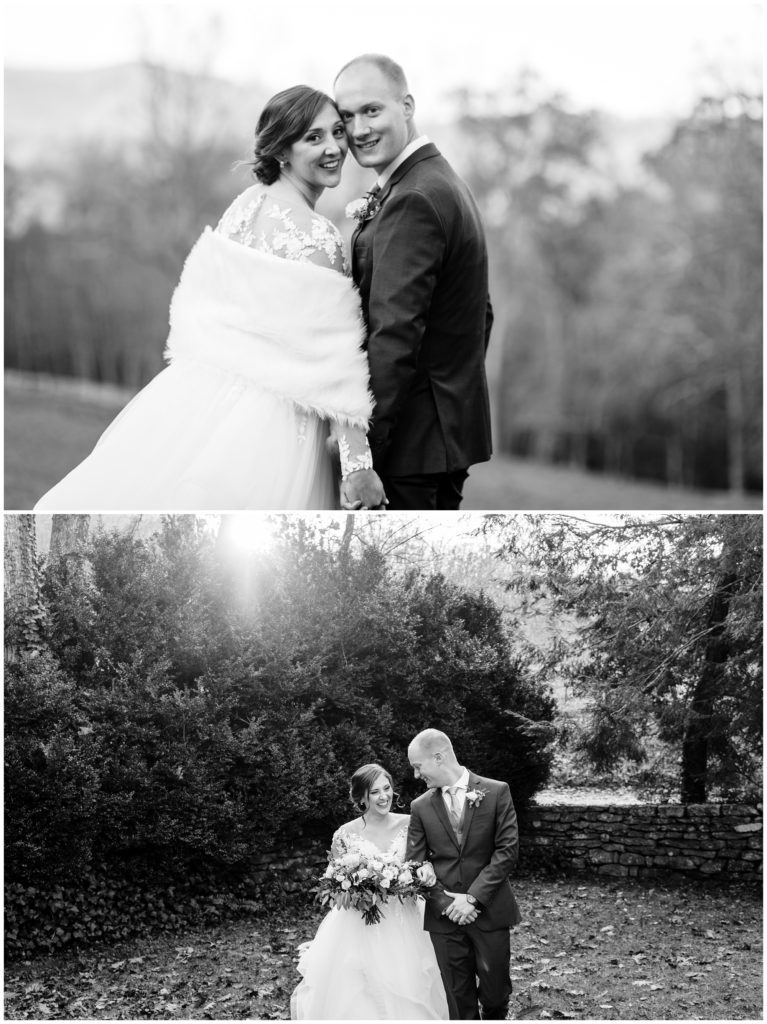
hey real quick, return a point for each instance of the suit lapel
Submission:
(470, 810)
(422, 153)
(438, 804)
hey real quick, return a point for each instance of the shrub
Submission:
(190, 721)
(106, 907)
(52, 775)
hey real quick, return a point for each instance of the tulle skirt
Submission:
(384, 971)
(198, 437)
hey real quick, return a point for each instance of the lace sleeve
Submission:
(239, 221)
(338, 845)
(330, 250)
(261, 221)
(353, 448)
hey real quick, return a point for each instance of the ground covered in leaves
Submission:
(586, 949)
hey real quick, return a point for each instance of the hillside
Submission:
(46, 111)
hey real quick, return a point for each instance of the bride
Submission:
(384, 971)
(265, 353)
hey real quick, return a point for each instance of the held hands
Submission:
(460, 910)
(363, 489)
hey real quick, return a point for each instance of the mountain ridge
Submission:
(48, 109)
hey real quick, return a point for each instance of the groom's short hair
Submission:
(389, 68)
(431, 740)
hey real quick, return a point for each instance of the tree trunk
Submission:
(696, 738)
(736, 453)
(346, 542)
(69, 534)
(674, 460)
(22, 592)
(20, 569)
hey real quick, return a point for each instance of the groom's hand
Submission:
(362, 489)
(460, 910)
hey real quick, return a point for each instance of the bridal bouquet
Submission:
(363, 882)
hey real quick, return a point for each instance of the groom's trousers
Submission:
(474, 965)
(425, 491)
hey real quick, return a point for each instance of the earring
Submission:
(282, 163)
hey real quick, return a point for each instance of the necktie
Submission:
(455, 809)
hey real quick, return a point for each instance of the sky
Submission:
(634, 58)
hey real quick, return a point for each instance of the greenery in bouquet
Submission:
(364, 882)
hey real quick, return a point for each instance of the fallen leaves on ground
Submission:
(238, 970)
(610, 951)
(585, 950)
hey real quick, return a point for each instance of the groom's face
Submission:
(429, 767)
(378, 121)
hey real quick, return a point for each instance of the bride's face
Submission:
(317, 157)
(380, 796)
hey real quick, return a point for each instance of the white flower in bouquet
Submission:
(376, 881)
(426, 874)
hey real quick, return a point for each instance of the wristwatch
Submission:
(471, 899)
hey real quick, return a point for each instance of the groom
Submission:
(466, 827)
(419, 260)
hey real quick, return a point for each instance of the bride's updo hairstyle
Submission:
(284, 119)
(361, 782)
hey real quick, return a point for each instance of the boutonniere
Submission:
(475, 796)
(363, 209)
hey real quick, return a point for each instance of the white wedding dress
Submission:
(265, 356)
(385, 971)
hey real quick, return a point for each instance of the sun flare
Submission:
(251, 531)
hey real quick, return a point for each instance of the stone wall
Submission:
(666, 842)
(671, 841)
(293, 869)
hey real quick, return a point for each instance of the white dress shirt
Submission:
(411, 147)
(463, 784)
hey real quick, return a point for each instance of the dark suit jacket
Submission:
(480, 865)
(421, 268)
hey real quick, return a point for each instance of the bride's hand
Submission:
(426, 874)
(363, 489)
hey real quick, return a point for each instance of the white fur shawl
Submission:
(293, 329)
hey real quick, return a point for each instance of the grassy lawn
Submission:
(48, 431)
(51, 425)
(585, 950)
(509, 483)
